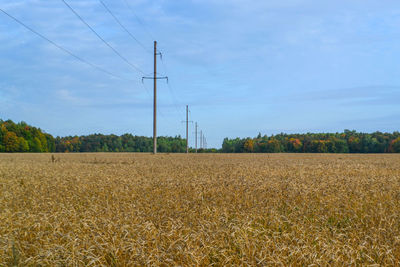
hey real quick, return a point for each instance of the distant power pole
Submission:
(187, 128)
(155, 78)
(196, 137)
(201, 139)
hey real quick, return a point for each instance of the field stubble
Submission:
(141, 209)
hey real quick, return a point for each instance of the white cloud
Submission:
(67, 97)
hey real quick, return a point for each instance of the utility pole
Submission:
(155, 101)
(187, 128)
(155, 78)
(201, 139)
(196, 137)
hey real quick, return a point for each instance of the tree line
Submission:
(123, 143)
(21, 137)
(345, 142)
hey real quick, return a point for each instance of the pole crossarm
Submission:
(156, 78)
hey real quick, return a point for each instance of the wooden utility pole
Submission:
(155, 101)
(155, 78)
(187, 129)
(196, 137)
(201, 139)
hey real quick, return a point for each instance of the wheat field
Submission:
(199, 210)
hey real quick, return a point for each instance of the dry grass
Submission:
(138, 209)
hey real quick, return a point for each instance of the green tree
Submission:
(105, 148)
(43, 143)
(36, 145)
(227, 146)
(273, 146)
(341, 146)
(50, 143)
(22, 145)
(355, 144)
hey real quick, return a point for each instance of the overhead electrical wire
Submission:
(146, 29)
(123, 27)
(174, 100)
(171, 91)
(102, 39)
(65, 50)
(62, 48)
(159, 110)
(139, 20)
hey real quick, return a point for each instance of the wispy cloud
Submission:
(363, 95)
(67, 97)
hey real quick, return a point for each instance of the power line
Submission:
(159, 110)
(174, 102)
(139, 20)
(123, 27)
(101, 38)
(170, 88)
(60, 47)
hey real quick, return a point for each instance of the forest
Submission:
(345, 142)
(21, 137)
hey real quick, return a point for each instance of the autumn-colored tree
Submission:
(3, 132)
(3, 129)
(319, 146)
(249, 146)
(295, 144)
(395, 146)
(10, 141)
(75, 144)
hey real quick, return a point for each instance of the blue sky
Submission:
(243, 67)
